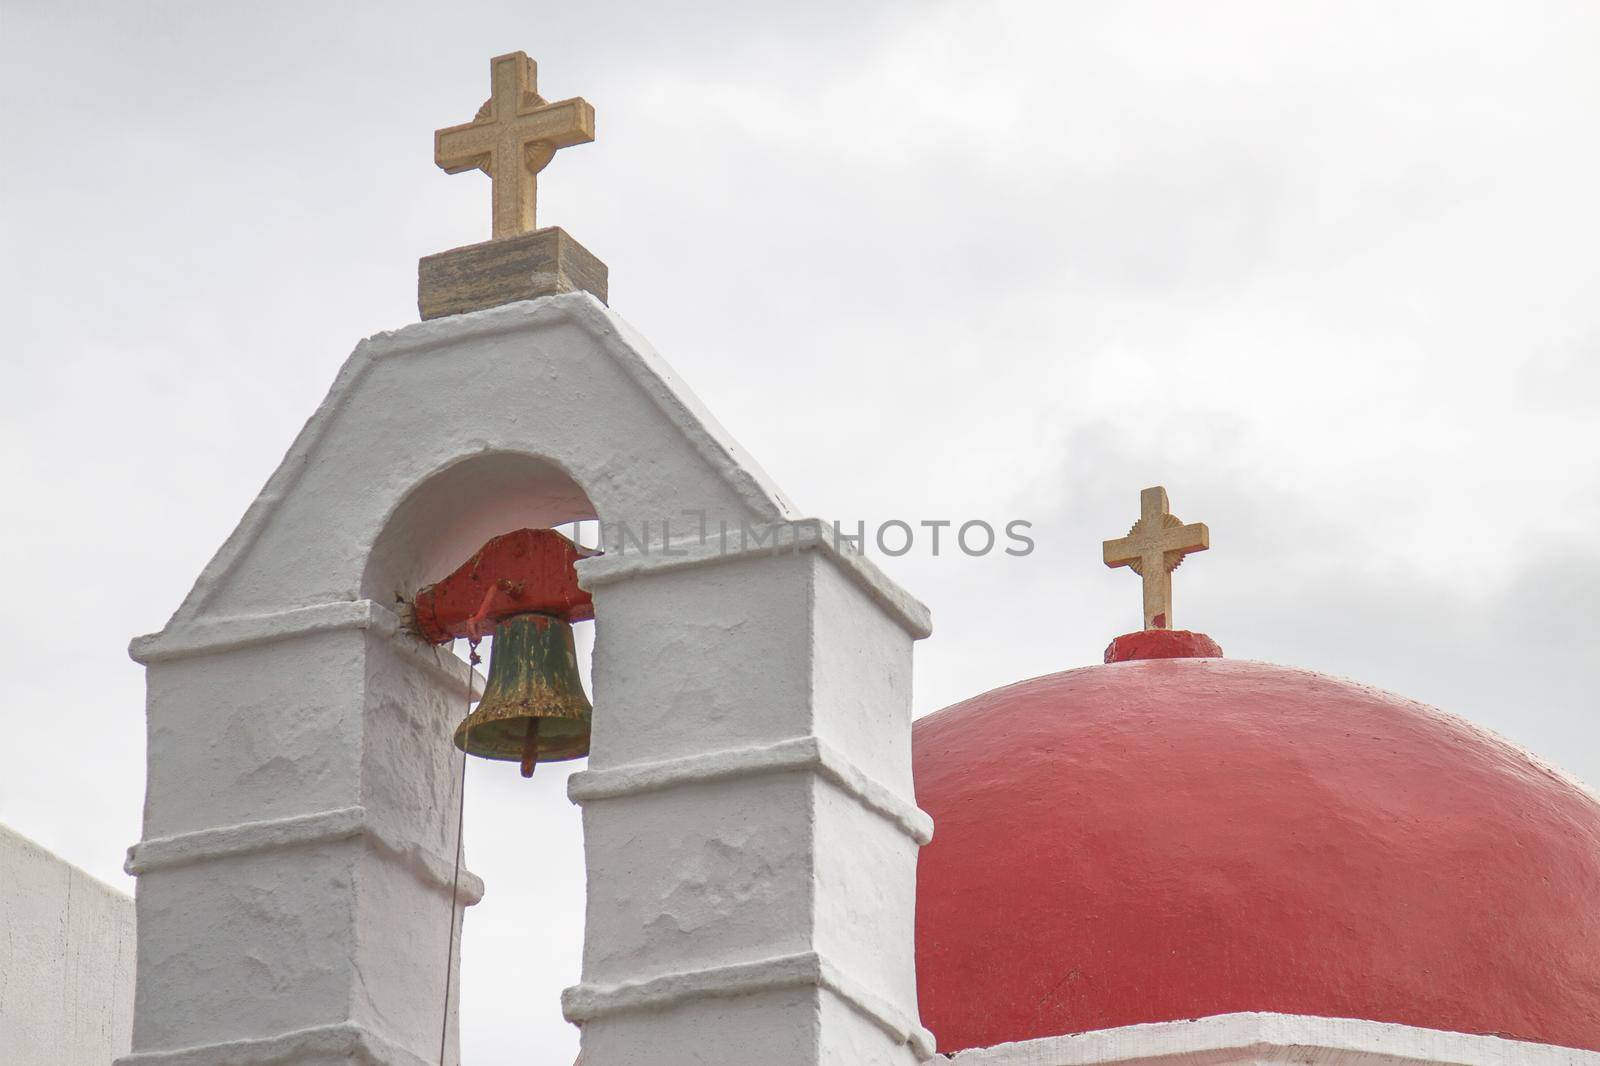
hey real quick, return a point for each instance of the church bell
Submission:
(533, 708)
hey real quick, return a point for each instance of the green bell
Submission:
(533, 708)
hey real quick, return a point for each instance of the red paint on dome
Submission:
(1174, 838)
(1162, 644)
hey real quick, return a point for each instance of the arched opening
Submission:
(449, 515)
(523, 943)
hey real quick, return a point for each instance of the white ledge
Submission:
(766, 540)
(211, 636)
(785, 756)
(204, 637)
(586, 1002)
(345, 1042)
(1261, 1038)
(322, 827)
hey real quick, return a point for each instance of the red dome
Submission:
(1173, 838)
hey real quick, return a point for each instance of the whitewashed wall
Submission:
(66, 961)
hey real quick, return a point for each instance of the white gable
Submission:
(562, 376)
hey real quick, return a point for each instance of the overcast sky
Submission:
(1328, 272)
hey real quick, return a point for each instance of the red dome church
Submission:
(1175, 835)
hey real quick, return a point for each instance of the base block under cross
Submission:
(502, 271)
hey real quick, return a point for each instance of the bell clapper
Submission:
(530, 748)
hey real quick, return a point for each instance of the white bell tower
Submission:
(749, 827)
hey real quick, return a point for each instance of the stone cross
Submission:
(1153, 549)
(512, 138)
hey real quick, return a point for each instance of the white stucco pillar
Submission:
(296, 871)
(749, 821)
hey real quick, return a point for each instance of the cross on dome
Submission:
(1153, 549)
(512, 137)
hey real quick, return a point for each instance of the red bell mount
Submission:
(527, 571)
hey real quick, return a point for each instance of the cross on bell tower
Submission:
(1153, 549)
(514, 135)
